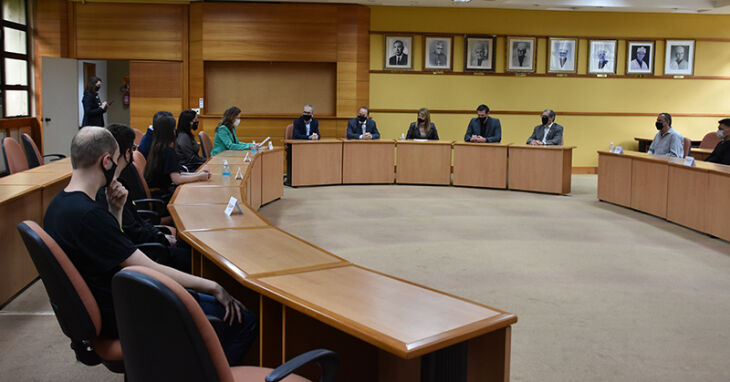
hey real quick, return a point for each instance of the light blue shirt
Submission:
(670, 144)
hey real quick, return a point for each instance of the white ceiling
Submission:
(663, 6)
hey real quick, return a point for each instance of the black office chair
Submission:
(33, 155)
(75, 306)
(167, 338)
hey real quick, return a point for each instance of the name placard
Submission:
(233, 206)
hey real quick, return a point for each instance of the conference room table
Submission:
(25, 196)
(700, 154)
(490, 165)
(692, 196)
(382, 327)
(644, 143)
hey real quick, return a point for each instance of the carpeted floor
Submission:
(602, 293)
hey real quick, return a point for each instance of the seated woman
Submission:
(162, 169)
(423, 128)
(225, 133)
(185, 146)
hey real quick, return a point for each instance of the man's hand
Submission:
(367, 136)
(116, 196)
(171, 239)
(104, 105)
(536, 142)
(314, 136)
(204, 174)
(233, 306)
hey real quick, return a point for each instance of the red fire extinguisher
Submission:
(125, 91)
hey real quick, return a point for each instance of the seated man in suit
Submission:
(483, 128)
(721, 153)
(548, 133)
(667, 141)
(92, 238)
(362, 127)
(306, 127)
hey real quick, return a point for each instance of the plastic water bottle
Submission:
(253, 148)
(271, 146)
(226, 172)
(611, 148)
(402, 137)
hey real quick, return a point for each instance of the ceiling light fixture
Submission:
(461, 1)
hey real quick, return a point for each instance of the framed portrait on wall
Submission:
(398, 50)
(437, 52)
(679, 57)
(563, 54)
(640, 57)
(521, 54)
(479, 53)
(602, 56)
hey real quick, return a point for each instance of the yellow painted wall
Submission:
(700, 97)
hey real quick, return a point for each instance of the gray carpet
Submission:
(602, 293)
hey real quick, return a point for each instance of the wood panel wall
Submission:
(154, 86)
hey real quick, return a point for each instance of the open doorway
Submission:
(114, 75)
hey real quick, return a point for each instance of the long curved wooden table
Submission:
(384, 328)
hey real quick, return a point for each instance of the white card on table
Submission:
(233, 205)
(239, 175)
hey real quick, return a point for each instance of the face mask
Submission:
(659, 125)
(482, 119)
(194, 126)
(421, 120)
(720, 134)
(97, 87)
(361, 118)
(544, 120)
(108, 174)
(237, 122)
(306, 117)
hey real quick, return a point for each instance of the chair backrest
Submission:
(75, 306)
(687, 146)
(15, 159)
(164, 333)
(289, 131)
(32, 154)
(205, 144)
(138, 136)
(139, 163)
(710, 141)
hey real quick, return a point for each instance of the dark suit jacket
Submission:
(721, 153)
(404, 60)
(554, 137)
(415, 133)
(300, 128)
(492, 131)
(93, 113)
(354, 129)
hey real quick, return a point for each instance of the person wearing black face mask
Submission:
(185, 146)
(483, 129)
(667, 141)
(423, 128)
(94, 109)
(306, 126)
(547, 133)
(362, 127)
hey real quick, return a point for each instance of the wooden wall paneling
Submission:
(154, 86)
(50, 39)
(269, 32)
(142, 109)
(196, 83)
(130, 31)
(353, 58)
(184, 78)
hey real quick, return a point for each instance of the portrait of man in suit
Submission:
(679, 57)
(562, 55)
(602, 56)
(478, 54)
(438, 53)
(397, 52)
(521, 54)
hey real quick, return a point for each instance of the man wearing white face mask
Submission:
(225, 133)
(721, 154)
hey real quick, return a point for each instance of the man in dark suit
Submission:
(483, 128)
(362, 127)
(548, 133)
(306, 127)
(399, 57)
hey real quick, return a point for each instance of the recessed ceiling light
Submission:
(461, 1)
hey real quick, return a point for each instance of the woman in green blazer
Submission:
(225, 133)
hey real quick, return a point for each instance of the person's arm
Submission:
(351, 134)
(116, 196)
(534, 135)
(434, 133)
(411, 134)
(227, 142)
(91, 107)
(676, 148)
(189, 177)
(558, 137)
(315, 128)
(652, 145)
(497, 136)
(233, 307)
(300, 131)
(184, 149)
(375, 134)
(467, 136)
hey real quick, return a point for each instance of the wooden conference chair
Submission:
(15, 159)
(167, 337)
(687, 146)
(205, 144)
(710, 141)
(32, 153)
(76, 309)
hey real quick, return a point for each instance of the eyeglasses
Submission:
(134, 147)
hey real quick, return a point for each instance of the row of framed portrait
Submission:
(521, 55)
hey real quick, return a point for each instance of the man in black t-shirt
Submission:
(92, 238)
(721, 153)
